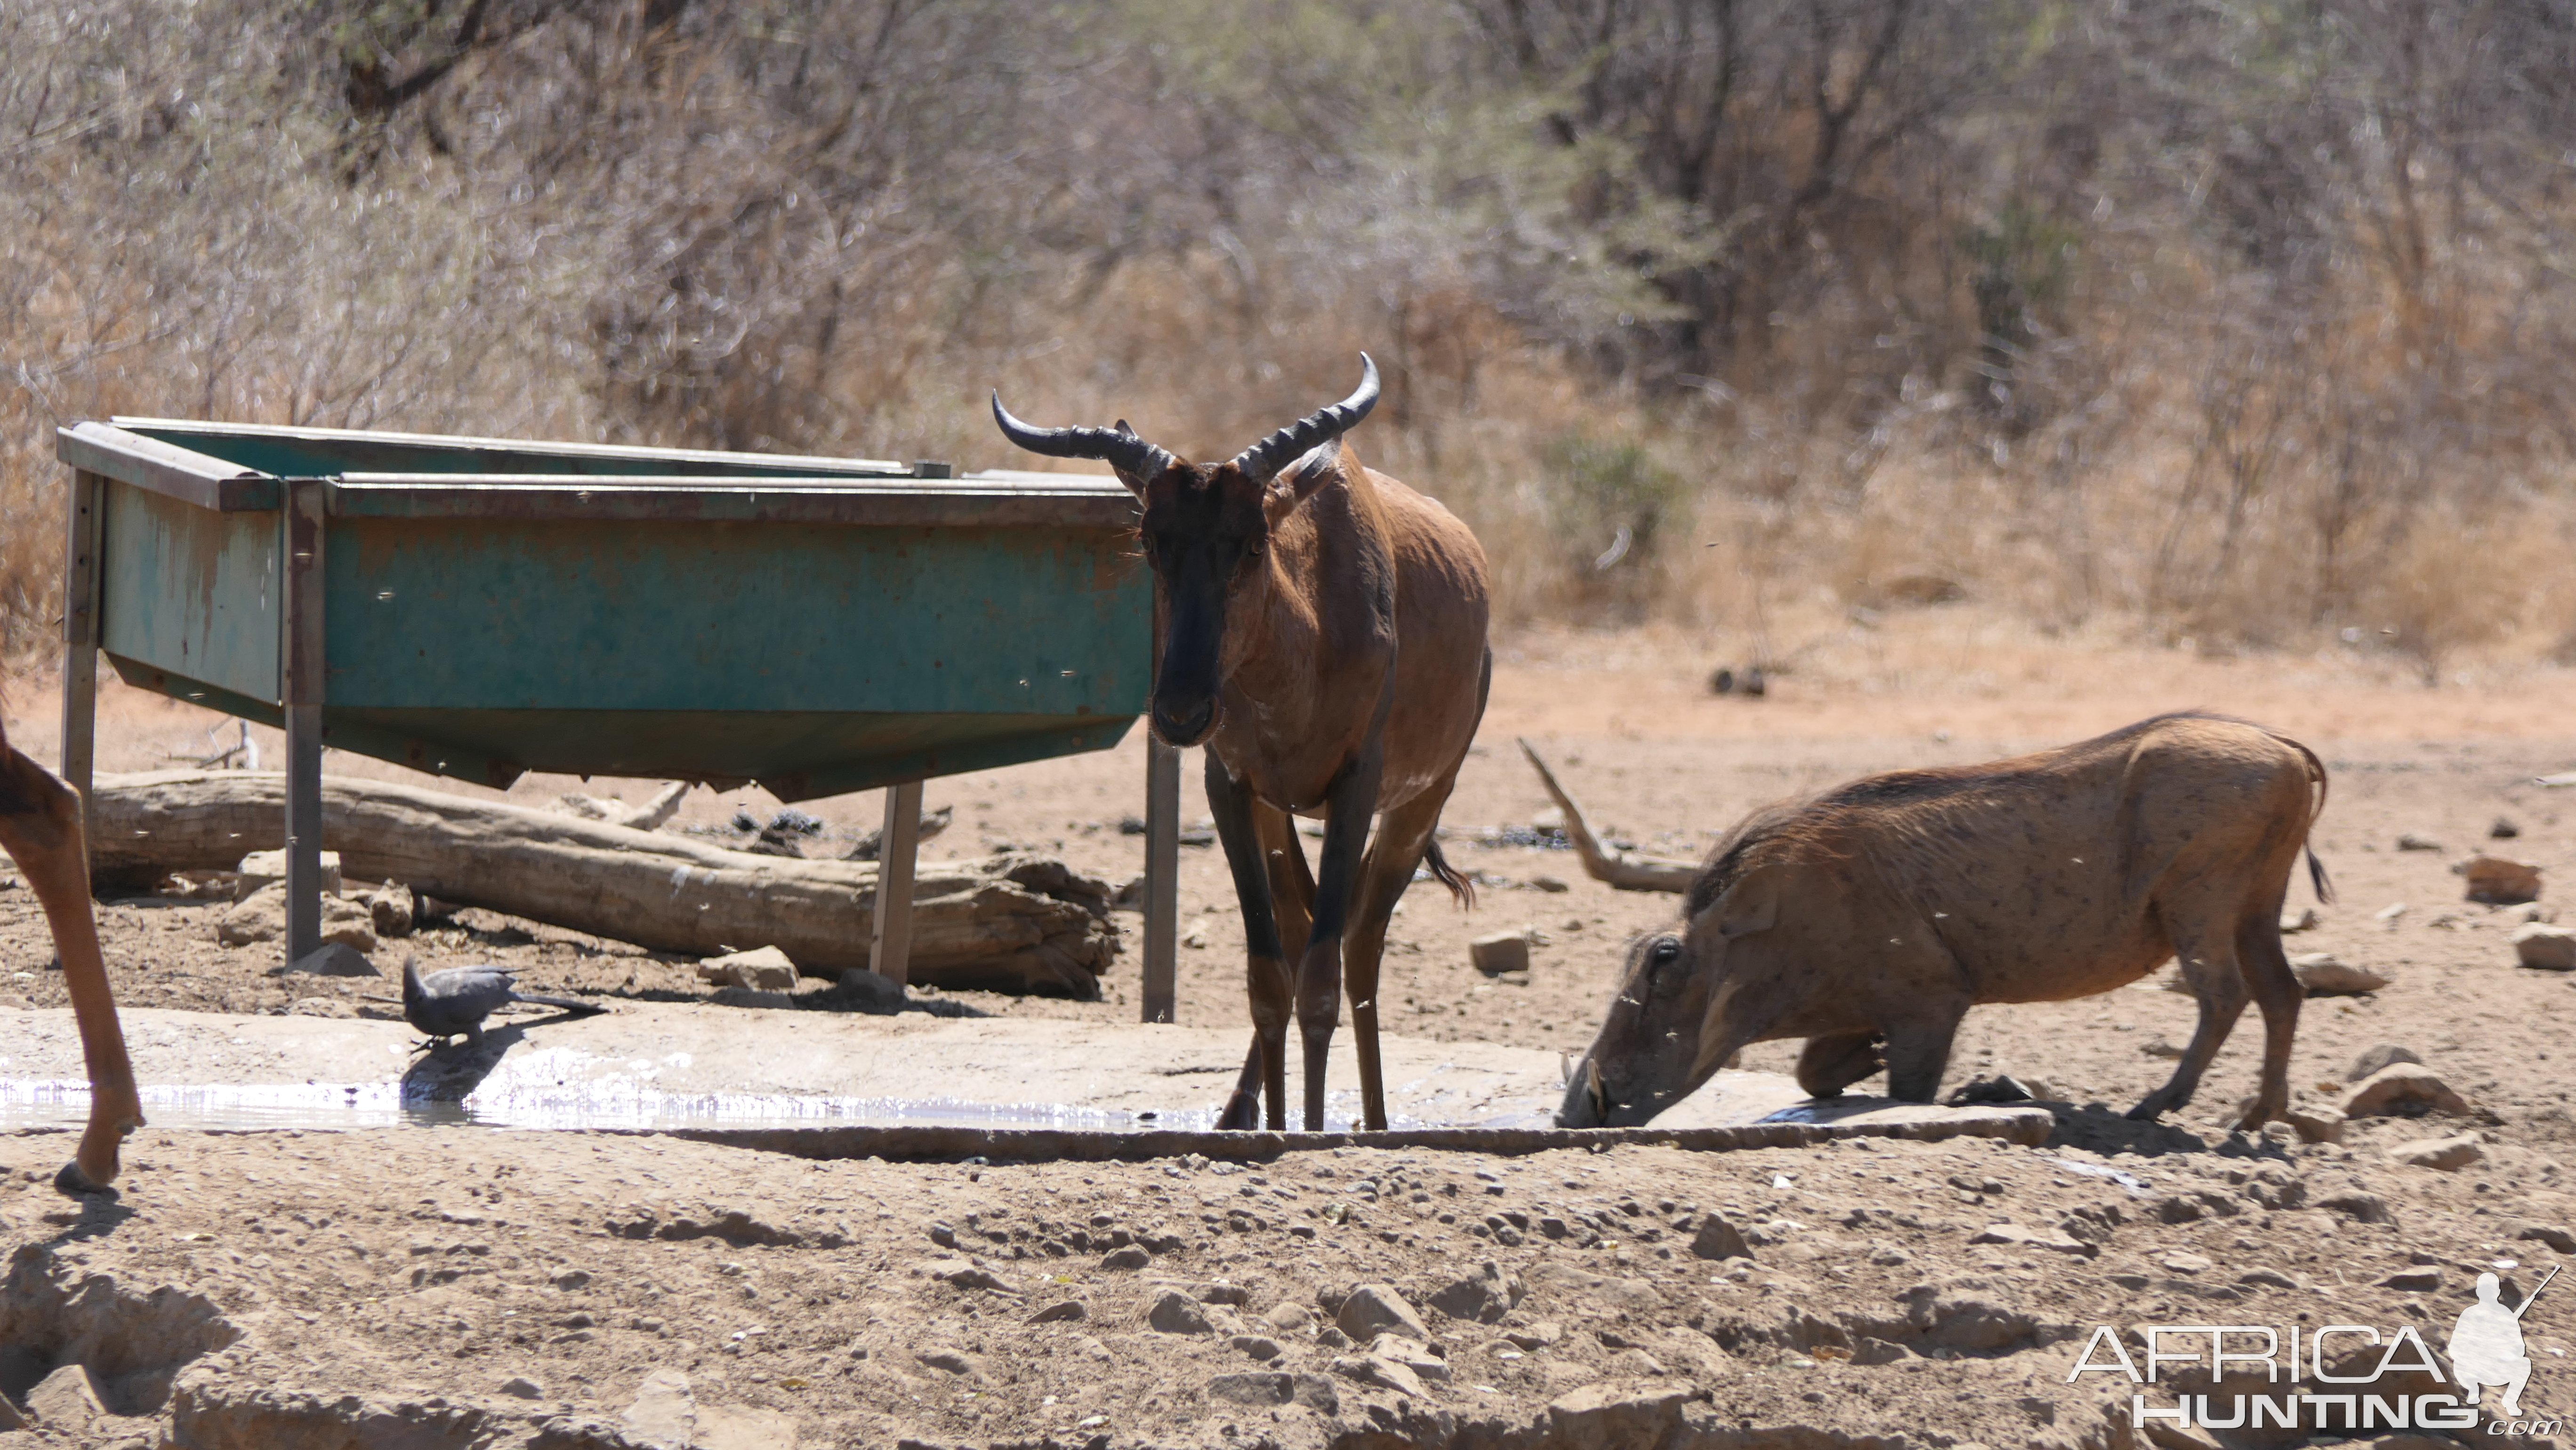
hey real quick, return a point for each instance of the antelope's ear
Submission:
(1302, 479)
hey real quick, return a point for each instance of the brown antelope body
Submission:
(40, 827)
(1323, 634)
(1872, 917)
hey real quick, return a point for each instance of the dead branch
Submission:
(1625, 870)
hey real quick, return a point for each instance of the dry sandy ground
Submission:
(428, 1268)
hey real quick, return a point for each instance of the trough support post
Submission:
(84, 516)
(300, 663)
(898, 846)
(1162, 879)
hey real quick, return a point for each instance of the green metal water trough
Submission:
(480, 608)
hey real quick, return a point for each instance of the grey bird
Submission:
(453, 1002)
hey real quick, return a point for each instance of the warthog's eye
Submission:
(1663, 953)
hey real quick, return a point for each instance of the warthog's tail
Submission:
(1447, 875)
(2317, 879)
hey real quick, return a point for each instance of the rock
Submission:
(390, 908)
(2363, 1207)
(262, 869)
(1384, 1373)
(2410, 841)
(2503, 830)
(1869, 1351)
(1260, 1346)
(2316, 1123)
(858, 989)
(2549, 948)
(1375, 1309)
(2388, 915)
(2497, 881)
(1232, 1295)
(2447, 1154)
(2303, 919)
(1068, 1311)
(66, 1401)
(2019, 1237)
(664, 1412)
(2272, 1278)
(1290, 1318)
(969, 1276)
(2325, 976)
(942, 1357)
(2422, 1279)
(1133, 1256)
(1554, 885)
(2550, 1234)
(1611, 1414)
(1507, 951)
(1719, 1239)
(2402, 1089)
(1272, 1387)
(262, 917)
(1177, 1313)
(2384, 1055)
(765, 969)
(1484, 1296)
(334, 959)
(1412, 1354)
(2186, 1263)
(520, 1387)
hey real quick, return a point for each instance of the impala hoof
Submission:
(73, 1183)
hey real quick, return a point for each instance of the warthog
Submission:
(1869, 919)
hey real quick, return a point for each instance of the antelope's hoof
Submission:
(72, 1182)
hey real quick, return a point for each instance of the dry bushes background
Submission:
(2237, 321)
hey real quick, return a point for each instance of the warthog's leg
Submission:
(2277, 991)
(40, 827)
(1265, 1067)
(1827, 1065)
(2209, 964)
(1918, 1050)
(1402, 835)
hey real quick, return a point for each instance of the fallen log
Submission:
(1625, 870)
(1009, 923)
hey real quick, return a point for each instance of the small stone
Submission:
(2363, 1207)
(2273, 1278)
(1868, 1351)
(1532, 1338)
(1221, 1292)
(66, 1401)
(2422, 1279)
(2410, 841)
(1719, 1239)
(969, 1276)
(1375, 1309)
(2316, 1123)
(2447, 1154)
(862, 989)
(2407, 1089)
(1553, 885)
(262, 917)
(1177, 1313)
(2548, 948)
(2550, 1234)
(262, 869)
(1066, 1312)
(2049, 1239)
(390, 908)
(1384, 1373)
(334, 959)
(520, 1387)
(1635, 1364)
(664, 1411)
(2326, 976)
(1484, 1296)
(2503, 830)
(2388, 915)
(1133, 1256)
(1260, 1387)
(1610, 1413)
(2497, 881)
(1412, 1354)
(1507, 951)
(1290, 1318)
(943, 1358)
(765, 969)
(2159, 1047)
(2386, 1054)
(1260, 1346)
(2303, 919)
(2184, 1263)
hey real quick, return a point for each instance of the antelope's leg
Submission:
(1348, 804)
(40, 829)
(1402, 836)
(1265, 966)
(1292, 900)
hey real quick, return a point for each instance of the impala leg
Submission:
(1265, 966)
(1402, 837)
(1347, 807)
(40, 828)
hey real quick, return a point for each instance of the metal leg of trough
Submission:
(890, 956)
(300, 656)
(80, 637)
(1162, 878)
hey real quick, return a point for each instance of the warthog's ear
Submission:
(1747, 907)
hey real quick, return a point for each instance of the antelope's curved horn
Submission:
(1273, 453)
(1119, 447)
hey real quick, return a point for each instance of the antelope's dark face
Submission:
(1206, 531)
(1207, 537)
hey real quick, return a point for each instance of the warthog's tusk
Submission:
(1592, 1082)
